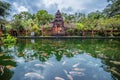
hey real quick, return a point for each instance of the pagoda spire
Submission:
(58, 24)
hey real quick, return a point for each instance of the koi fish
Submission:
(33, 74)
(10, 67)
(59, 78)
(48, 63)
(68, 75)
(74, 72)
(64, 63)
(78, 69)
(39, 65)
(75, 65)
(65, 72)
(2, 70)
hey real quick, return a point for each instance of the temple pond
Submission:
(42, 59)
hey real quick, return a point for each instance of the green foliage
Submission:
(80, 26)
(21, 20)
(8, 26)
(95, 15)
(69, 18)
(35, 28)
(117, 16)
(22, 16)
(109, 24)
(78, 21)
(113, 8)
(4, 9)
(25, 15)
(43, 17)
(9, 40)
(70, 32)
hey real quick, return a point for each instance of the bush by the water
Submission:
(8, 40)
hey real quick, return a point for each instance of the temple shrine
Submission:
(58, 25)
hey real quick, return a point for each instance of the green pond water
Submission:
(55, 59)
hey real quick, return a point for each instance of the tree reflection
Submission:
(8, 64)
(106, 50)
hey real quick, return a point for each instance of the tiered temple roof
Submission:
(58, 24)
(58, 20)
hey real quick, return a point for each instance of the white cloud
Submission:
(19, 8)
(67, 6)
(72, 6)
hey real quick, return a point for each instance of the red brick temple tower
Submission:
(58, 25)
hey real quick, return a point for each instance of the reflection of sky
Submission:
(80, 66)
(32, 41)
(88, 68)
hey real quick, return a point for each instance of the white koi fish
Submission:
(64, 62)
(39, 65)
(34, 75)
(59, 78)
(74, 72)
(65, 71)
(68, 75)
(48, 63)
(76, 65)
(78, 69)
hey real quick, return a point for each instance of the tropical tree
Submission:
(109, 24)
(35, 28)
(113, 8)
(79, 17)
(96, 15)
(25, 15)
(21, 20)
(16, 22)
(4, 9)
(80, 27)
(43, 17)
(76, 17)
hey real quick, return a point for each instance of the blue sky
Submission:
(67, 6)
